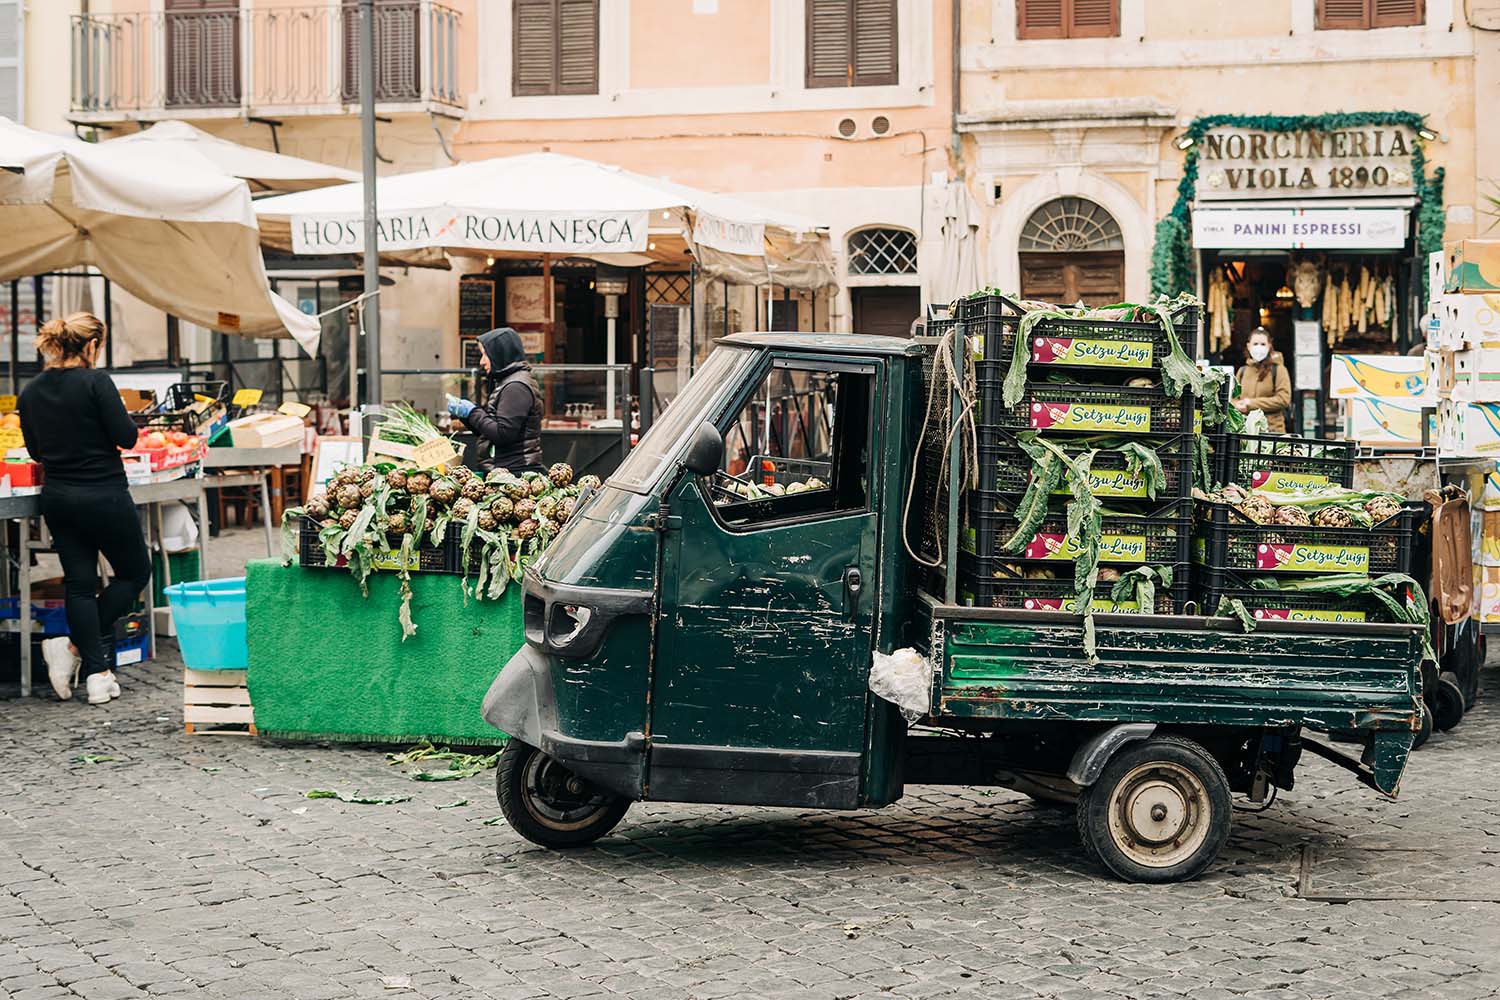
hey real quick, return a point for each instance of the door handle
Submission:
(854, 582)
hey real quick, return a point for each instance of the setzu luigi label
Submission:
(1120, 418)
(1285, 482)
(1312, 558)
(1093, 353)
(1100, 604)
(1112, 548)
(1306, 615)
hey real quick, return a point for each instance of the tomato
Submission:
(155, 441)
(177, 437)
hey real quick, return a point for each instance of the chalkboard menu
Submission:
(476, 304)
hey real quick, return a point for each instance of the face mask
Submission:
(1258, 352)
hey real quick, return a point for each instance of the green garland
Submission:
(1172, 264)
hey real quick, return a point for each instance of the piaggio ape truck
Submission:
(694, 637)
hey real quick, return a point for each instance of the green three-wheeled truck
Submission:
(694, 635)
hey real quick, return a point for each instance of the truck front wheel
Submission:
(548, 804)
(1158, 813)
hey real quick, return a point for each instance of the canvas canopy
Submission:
(176, 236)
(261, 169)
(548, 203)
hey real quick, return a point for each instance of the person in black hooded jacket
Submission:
(509, 424)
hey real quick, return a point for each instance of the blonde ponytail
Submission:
(62, 341)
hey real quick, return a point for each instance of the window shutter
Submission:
(1094, 19)
(10, 60)
(1398, 13)
(398, 76)
(830, 45)
(1040, 19)
(874, 43)
(1339, 15)
(578, 46)
(534, 63)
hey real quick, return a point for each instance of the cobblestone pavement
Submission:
(196, 865)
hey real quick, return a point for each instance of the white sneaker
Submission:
(98, 687)
(114, 684)
(62, 665)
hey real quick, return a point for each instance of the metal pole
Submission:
(109, 323)
(647, 398)
(15, 336)
(371, 314)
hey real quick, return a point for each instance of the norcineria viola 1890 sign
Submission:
(1246, 163)
(541, 232)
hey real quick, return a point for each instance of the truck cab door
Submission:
(759, 690)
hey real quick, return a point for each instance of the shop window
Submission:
(1357, 15)
(799, 446)
(851, 43)
(1068, 18)
(556, 47)
(882, 251)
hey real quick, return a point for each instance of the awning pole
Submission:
(371, 316)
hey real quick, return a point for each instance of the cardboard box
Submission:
(138, 400)
(1471, 375)
(1469, 321)
(1472, 266)
(1379, 376)
(1386, 421)
(1487, 586)
(265, 430)
(1468, 430)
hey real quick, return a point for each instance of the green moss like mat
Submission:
(328, 664)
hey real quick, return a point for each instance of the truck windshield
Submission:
(669, 434)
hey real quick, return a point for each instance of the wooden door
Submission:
(1095, 278)
(886, 312)
(203, 53)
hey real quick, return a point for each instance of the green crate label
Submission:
(1101, 605)
(1312, 558)
(1117, 417)
(1285, 482)
(1097, 353)
(1112, 548)
(392, 562)
(1303, 615)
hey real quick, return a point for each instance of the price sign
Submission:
(11, 438)
(246, 397)
(298, 410)
(438, 451)
(7, 404)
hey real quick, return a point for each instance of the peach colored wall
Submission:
(670, 46)
(1168, 19)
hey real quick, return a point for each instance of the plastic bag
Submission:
(903, 678)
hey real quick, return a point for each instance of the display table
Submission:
(328, 664)
(226, 467)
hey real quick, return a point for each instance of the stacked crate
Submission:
(1236, 557)
(1086, 379)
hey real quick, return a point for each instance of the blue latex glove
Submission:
(460, 408)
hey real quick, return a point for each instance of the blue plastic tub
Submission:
(210, 619)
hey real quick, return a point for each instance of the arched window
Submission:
(1065, 225)
(882, 251)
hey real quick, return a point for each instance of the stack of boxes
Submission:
(1091, 384)
(1463, 347)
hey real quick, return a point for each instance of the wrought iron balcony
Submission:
(265, 58)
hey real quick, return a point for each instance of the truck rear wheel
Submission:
(1158, 813)
(548, 804)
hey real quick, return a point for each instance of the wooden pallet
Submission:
(217, 702)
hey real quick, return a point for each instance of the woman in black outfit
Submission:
(75, 424)
(509, 424)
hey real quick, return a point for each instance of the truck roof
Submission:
(839, 343)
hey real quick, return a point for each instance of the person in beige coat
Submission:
(1264, 382)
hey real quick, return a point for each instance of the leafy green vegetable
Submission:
(1144, 462)
(356, 798)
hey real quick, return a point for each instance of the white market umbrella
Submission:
(261, 169)
(958, 272)
(177, 237)
(548, 203)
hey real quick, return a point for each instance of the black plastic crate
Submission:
(184, 394)
(1005, 469)
(1282, 462)
(1162, 537)
(429, 558)
(1126, 344)
(176, 412)
(768, 469)
(1086, 409)
(981, 589)
(1268, 604)
(1226, 539)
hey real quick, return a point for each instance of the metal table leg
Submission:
(202, 532)
(265, 511)
(23, 552)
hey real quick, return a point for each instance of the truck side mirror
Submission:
(705, 451)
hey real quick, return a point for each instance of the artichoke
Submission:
(396, 479)
(590, 482)
(1234, 493)
(546, 507)
(538, 485)
(515, 488)
(473, 489)
(366, 474)
(396, 523)
(327, 522)
(1333, 517)
(317, 506)
(1382, 507)
(1257, 509)
(347, 519)
(367, 489)
(561, 474)
(1291, 516)
(418, 483)
(462, 508)
(496, 477)
(526, 529)
(486, 519)
(546, 527)
(349, 496)
(502, 508)
(775, 489)
(462, 474)
(565, 509)
(525, 510)
(443, 490)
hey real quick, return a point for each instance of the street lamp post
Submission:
(370, 313)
